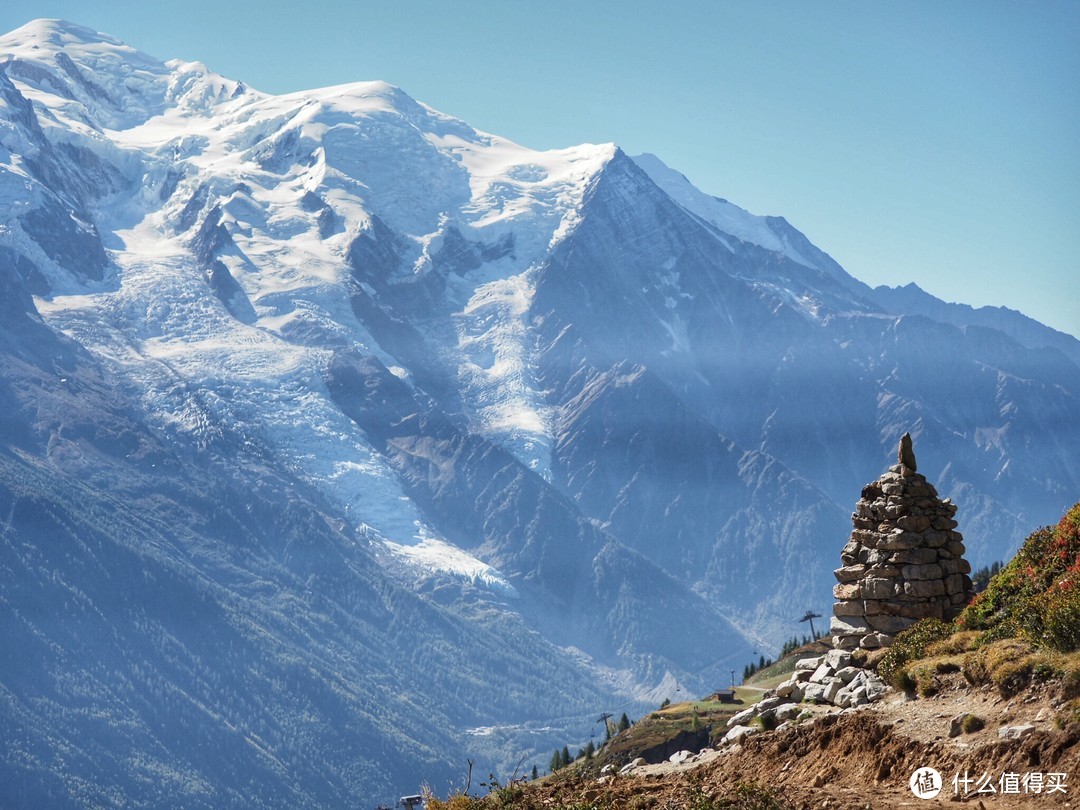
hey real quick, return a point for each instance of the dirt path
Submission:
(866, 758)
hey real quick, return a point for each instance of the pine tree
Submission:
(624, 722)
(565, 756)
(590, 749)
(556, 761)
(535, 774)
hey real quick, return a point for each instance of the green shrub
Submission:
(911, 645)
(972, 723)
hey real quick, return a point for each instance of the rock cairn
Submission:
(904, 561)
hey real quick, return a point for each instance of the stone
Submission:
(883, 571)
(877, 589)
(929, 571)
(814, 692)
(935, 539)
(848, 626)
(872, 641)
(849, 608)
(847, 674)
(787, 711)
(737, 733)
(786, 688)
(821, 674)
(914, 610)
(846, 642)
(954, 584)
(831, 690)
(744, 716)
(809, 663)
(1015, 732)
(916, 556)
(679, 757)
(850, 573)
(913, 523)
(906, 453)
(849, 591)
(875, 688)
(837, 659)
(765, 704)
(890, 625)
(924, 588)
(900, 540)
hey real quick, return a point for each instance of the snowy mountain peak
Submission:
(772, 233)
(55, 34)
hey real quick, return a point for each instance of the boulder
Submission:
(808, 663)
(1015, 732)
(737, 733)
(744, 716)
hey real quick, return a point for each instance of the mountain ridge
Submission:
(548, 410)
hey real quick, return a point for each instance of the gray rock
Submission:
(787, 711)
(849, 626)
(956, 726)
(848, 674)
(838, 659)
(1015, 732)
(891, 625)
(767, 703)
(906, 453)
(831, 689)
(878, 588)
(786, 688)
(821, 674)
(808, 663)
(924, 588)
(927, 571)
(738, 733)
(846, 642)
(744, 716)
(849, 608)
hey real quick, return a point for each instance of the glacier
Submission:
(433, 445)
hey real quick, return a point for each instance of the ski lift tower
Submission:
(809, 617)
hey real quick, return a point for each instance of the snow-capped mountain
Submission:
(342, 442)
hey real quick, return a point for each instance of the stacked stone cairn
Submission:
(904, 562)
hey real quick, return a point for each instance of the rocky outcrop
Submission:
(834, 678)
(904, 561)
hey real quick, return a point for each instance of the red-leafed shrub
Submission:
(1037, 595)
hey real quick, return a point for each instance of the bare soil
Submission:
(864, 759)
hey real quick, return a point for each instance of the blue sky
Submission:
(913, 141)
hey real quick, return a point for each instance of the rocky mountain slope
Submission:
(344, 425)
